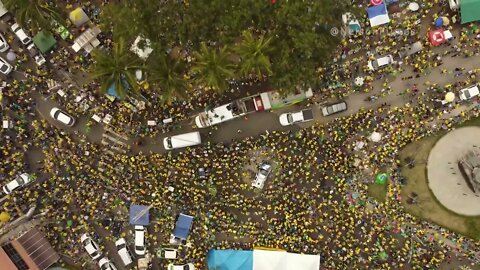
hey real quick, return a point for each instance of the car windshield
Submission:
(263, 172)
(467, 94)
(375, 64)
(185, 267)
(105, 266)
(139, 247)
(4, 67)
(169, 142)
(289, 118)
(20, 180)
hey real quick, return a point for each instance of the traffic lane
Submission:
(248, 126)
(44, 106)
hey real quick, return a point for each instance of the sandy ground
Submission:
(444, 177)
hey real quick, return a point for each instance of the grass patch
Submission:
(427, 206)
(472, 122)
(378, 192)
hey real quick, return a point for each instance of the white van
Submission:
(182, 140)
(380, 62)
(123, 252)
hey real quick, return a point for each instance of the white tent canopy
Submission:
(143, 52)
(282, 260)
(375, 137)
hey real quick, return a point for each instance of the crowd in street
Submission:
(316, 200)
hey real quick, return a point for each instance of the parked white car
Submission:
(123, 251)
(5, 67)
(287, 119)
(264, 171)
(21, 34)
(19, 181)
(470, 92)
(380, 62)
(62, 117)
(167, 253)
(188, 266)
(3, 44)
(106, 264)
(140, 240)
(90, 246)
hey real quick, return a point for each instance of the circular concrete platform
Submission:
(444, 177)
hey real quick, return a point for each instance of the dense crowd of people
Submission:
(316, 200)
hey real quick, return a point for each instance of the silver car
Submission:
(264, 171)
(334, 108)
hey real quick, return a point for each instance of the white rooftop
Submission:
(220, 114)
(142, 53)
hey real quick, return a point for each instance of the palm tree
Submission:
(37, 11)
(213, 67)
(253, 56)
(116, 67)
(168, 75)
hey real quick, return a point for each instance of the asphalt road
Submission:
(259, 123)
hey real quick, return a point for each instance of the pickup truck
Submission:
(287, 119)
(37, 56)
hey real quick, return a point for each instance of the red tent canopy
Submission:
(437, 37)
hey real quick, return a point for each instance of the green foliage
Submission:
(212, 67)
(116, 67)
(38, 12)
(252, 51)
(167, 75)
(288, 41)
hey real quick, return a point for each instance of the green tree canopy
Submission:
(293, 35)
(116, 67)
(167, 75)
(38, 12)
(254, 61)
(212, 67)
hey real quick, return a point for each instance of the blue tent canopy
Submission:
(230, 259)
(112, 91)
(378, 15)
(139, 215)
(375, 11)
(182, 228)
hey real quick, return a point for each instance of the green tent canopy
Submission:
(469, 11)
(44, 41)
(381, 178)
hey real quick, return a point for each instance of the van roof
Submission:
(183, 140)
(382, 61)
